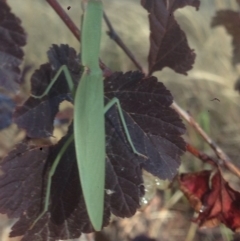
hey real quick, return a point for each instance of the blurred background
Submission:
(166, 214)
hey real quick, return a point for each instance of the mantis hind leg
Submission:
(67, 74)
(49, 181)
(115, 101)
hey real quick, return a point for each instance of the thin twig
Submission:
(66, 19)
(114, 36)
(224, 158)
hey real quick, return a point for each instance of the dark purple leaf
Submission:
(6, 109)
(154, 127)
(124, 183)
(22, 171)
(231, 21)
(168, 43)
(12, 39)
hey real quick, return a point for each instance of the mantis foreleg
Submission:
(69, 80)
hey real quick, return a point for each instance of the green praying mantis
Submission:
(89, 119)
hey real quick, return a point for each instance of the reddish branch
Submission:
(205, 158)
(223, 158)
(200, 155)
